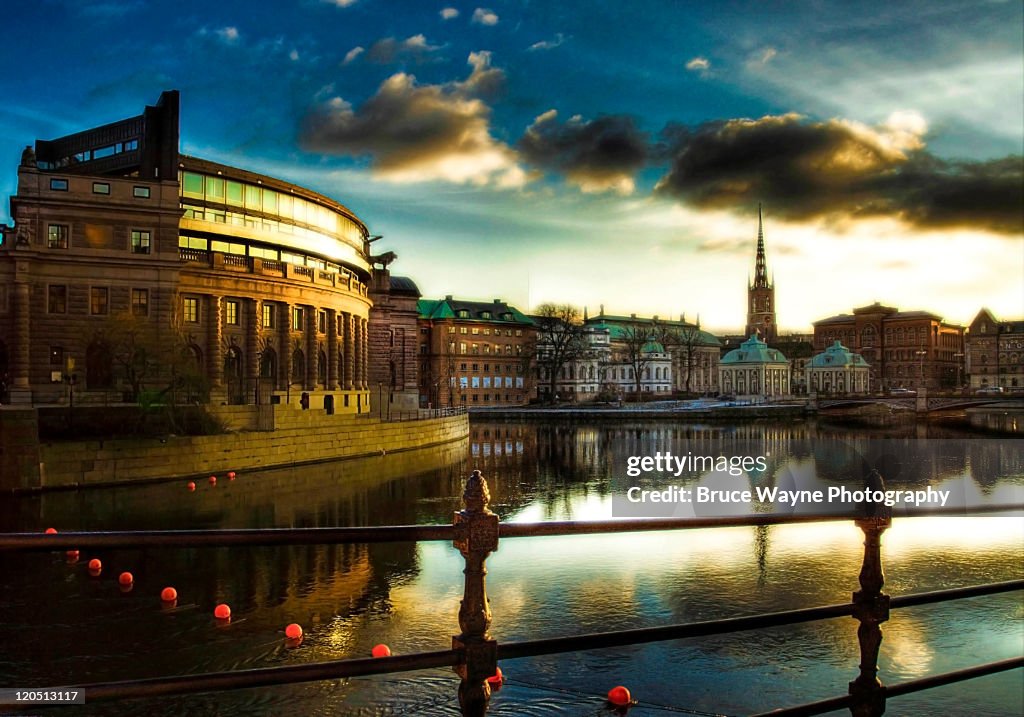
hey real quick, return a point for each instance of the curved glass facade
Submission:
(270, 220)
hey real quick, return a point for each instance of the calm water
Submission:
(61, 626)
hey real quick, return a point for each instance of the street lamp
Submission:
(922, 354)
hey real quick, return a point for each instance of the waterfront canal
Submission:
(61, 626)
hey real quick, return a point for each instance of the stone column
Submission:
(252, 348)
(348, 323)
(285, 367)
(215, 343)
(332, 350)
(357, 354)
(364, 352)
(312, 352)
(21, 357)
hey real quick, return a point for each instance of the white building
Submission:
(753, 369)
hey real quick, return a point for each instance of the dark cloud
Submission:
(813, 169)
(413, 49)
(416, 132)
(597, 155)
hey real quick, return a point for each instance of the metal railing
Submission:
(474, 655)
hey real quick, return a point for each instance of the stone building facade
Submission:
(754, 369)
(393, 341)
(995, 352)
(475, 354)
(122, 247)
(838, 370)
(905, 349)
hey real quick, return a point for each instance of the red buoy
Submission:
(222, 612)
(95, 564)
(51, 531)
(496, 680)
(231, 475)
(168, 594)
(293, 631)
(125, 578)
(381, 651)
(213, 480)
(72, 555)
(191, 486)
(619, 696)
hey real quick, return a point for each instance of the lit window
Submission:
(59, 185)
(321, 323)
(100, 188)
(140, 241)
(268, 316)
(57, 300)
(140, 302)
(231, 313)
(191, 310)
(141, 192)
(57, 236)
(297, 318)
(99, 297)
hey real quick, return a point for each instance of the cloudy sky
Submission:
(586, 151)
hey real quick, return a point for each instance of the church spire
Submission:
(760, 265)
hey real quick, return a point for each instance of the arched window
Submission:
(268, 363)
(321, 368)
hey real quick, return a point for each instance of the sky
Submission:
(590, 152)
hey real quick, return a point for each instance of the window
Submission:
(99, 298)
(476, 331)
(56, 364)
(463, 330)
(140, 192)
(57, 299)
(140, 241)
(59, 185)
(268, 316)
(100, 188)
(231, 313)
(190, 306)
(297, 318)
(321, 324)
(140, 302)
(57, 236)
(451, 330)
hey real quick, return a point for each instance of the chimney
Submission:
(448, 298)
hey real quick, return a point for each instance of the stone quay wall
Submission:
(285, 437)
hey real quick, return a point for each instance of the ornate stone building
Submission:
(693, 353)
(838, 370)
(119, 242)
(753, 369)
(761, 293)
(474, 354)
(905, 349)
(393, 339)
(995, 352)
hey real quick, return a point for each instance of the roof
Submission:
(754, 351)
(617, 325)
(495, 312)
(404, 285)
(838, 355)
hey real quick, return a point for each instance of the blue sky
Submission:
(592, 152)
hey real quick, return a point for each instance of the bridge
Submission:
(922, 402)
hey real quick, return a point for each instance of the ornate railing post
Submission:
(870, 607)
(476, 537)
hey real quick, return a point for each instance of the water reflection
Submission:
(70, 628)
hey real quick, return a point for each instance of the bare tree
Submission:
(682, 342)
(636, 335)
(561, 340)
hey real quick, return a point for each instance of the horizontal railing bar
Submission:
(222, 538)
(948, 678)
(408, 533)
(637, 636)
(267, 676)
(810, 708)
(955, 593)
(899, 689)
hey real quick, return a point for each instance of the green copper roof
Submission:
(837, 355)
(451, 308)
(753, 351)
(619, 325)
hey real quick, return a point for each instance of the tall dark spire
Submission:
(760, 267)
